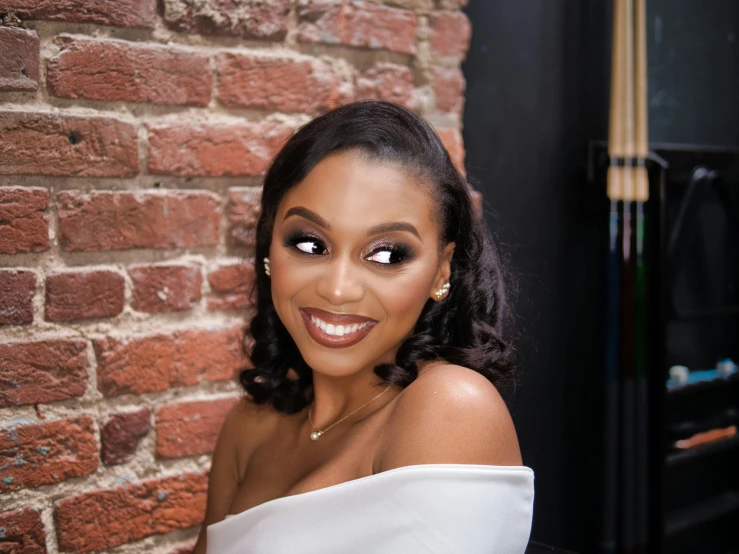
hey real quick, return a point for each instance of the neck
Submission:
(335, 397)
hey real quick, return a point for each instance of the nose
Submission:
(340, 283)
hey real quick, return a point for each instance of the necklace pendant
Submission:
(315, 435)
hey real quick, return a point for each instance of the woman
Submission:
(372, 421)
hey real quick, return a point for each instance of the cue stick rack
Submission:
(692, 497)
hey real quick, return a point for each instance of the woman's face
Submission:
(354, 258)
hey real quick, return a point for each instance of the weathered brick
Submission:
(452, 140)
(278, 84)
(121, 13)
(24, 227)
(165, 288)
(241, 18)
(202, 150)
(117, 70)
(121, 435)
(104, 519)
(232, 285)
(358, 24)
(22, 532)
(53, 144)
(121, 220)
(449, 86)
(49, 452)
(19, 60)
(190, 428)
(232, 278)
(72, 296)
(450, 34)
(44, 371)
(386, 81)
(17, 289)
(244, 204)
(159, 362)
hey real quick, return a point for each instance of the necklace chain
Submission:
(316, 434)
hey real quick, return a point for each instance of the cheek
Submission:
(403, 298)
(287, 280)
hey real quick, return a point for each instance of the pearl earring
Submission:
(439, 293)
(266, 267)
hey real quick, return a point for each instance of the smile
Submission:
(335, 330)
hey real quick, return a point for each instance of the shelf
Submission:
(701, 513)
(712, 449)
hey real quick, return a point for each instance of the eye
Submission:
(307, 244)
(310, 247)
(390, 255)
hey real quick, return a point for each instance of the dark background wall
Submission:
(537, 91)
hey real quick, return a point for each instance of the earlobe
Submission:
(444, 272)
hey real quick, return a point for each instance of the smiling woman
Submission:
(372, 421)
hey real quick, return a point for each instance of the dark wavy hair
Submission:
(468, 328)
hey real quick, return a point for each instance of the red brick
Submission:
(278, 84)
(159, 362)
(39, 372)
(204, 150)
(232, 278)
(358, 24)
(108, 518)
(24, 227)
(165, 288)
(22, 532)
(190, 428)
(450, 34)
(53, 144)
(19, 60)
(49, 452)
(121, 13)
(17, 289)
(232, 285)
(453, 143)
(386, 81)
(244, 205)
(121, 220)
(449, 86)
(118, 70)
(71, 296)
(240, 18)
(121, 435)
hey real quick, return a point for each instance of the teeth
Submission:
(337, 330)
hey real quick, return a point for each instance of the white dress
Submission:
(435, 508)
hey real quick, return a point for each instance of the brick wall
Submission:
(133, 138)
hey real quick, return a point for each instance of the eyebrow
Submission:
(309, 215)
(376, 230)
(397, 226)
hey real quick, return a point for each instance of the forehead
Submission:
(350, 190)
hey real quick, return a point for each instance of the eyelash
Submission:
(401, 251)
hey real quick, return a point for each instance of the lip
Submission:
(332, 341)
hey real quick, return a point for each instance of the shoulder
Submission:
(246, 425)
(449, 414)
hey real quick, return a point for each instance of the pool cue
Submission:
(628, 267)
(640, 286)
(608, 543)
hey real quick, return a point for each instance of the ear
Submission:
(443, 273)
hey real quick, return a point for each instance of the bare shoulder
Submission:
(244, 428)
(449, 414)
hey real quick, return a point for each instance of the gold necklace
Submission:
(316, 434)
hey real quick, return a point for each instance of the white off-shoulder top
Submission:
(435, 508)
